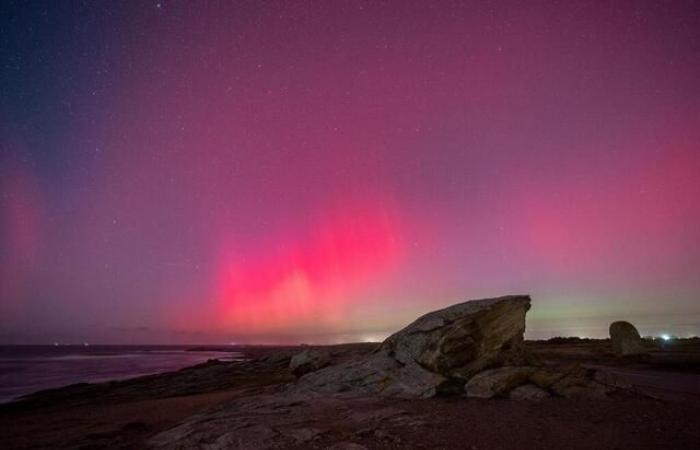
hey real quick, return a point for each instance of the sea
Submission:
(25, 369)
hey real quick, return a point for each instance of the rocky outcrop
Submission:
(464, 339)
(437, 351)
(625, 339)
(473, 348)
(309, 360)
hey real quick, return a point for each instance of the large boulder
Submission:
(625, 339)
(437, 351)
(466, 338)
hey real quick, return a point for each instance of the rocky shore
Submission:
(460, 377)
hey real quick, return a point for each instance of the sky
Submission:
(320, 172)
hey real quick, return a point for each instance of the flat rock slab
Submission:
(282, 420)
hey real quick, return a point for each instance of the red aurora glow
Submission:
(308, 283)
(315, 171)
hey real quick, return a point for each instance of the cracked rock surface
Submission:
(269, 421)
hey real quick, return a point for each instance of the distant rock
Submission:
(497, 382)
(437, 350)
(309, 360)
(625, 339)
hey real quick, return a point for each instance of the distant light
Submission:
(372, 337)
(665, 337)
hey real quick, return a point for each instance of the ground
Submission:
(244, 405)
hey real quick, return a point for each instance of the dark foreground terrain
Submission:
(194, 405)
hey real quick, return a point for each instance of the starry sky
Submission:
(282, 172)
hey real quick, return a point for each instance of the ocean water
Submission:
(26, 369)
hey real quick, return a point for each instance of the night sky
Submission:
(214, 172)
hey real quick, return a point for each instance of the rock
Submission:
(431, 353)
(281, 419)
(309, 360)
(576, 382)
(590, 390)
(572, 381)
(346, 446)
(244, 435)
(376, 415)
(545, 377)
(497, 382)
(301, 435)
(253, 437)
(610, 380)
(277, 358)
(625, 339)
(386, 436)
(466, 338)
(377, 373)
(528, 392)
(475, 346)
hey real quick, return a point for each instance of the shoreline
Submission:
(27, 370)
(664, 357)
(130, 413)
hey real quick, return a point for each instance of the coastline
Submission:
(27, 369)
(129, 413)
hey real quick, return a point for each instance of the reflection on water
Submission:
(27, 369)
